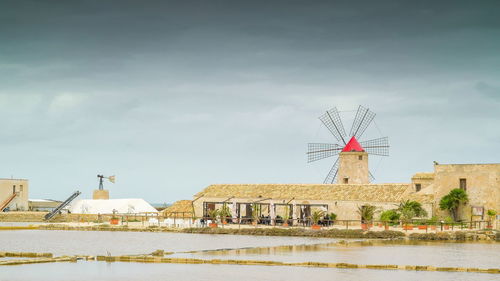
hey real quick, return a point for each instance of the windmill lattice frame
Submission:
(332, 121)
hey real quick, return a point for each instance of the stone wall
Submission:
(353, 167)
(483, 186)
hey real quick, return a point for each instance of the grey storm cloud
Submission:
(172, 96)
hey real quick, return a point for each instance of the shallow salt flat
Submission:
(61, 242)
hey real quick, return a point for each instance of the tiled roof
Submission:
(181, 206)
(423, 176)
(329, 192)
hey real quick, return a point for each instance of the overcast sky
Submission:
(172, 96)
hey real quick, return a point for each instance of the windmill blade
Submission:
(332, 121)
(332, 175)
(363, 118)
(378, 146)
(371, 178)
(318, 151)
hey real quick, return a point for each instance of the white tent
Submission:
(121, 206)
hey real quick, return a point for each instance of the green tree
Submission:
(491, 213)
(391, 216)
(451, 201)
(407, 207)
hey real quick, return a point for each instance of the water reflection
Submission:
(486, 254)
(83, 271)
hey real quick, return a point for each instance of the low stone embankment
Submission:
(40, 217)
(158, 256)
(330, 233)
(479, 235)
(301, 232)
(29, 258)
(159, 259)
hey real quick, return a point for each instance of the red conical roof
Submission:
(353, 145)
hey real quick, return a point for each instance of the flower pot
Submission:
(433, 227)
(489, 226)
(213, 225)
(224, 222)
(422, 227)
(285, 224)
(386, 227)
(254, 223)
(407, 227)
(315, 226)
(446, 227)
(114, 221)
(364, 226)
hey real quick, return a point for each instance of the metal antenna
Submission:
(101, 177)
(378, 146)
(332, 121)
(332, 175)
(363, 118)
(101, 185)
(318, 151)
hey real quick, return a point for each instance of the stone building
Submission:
(353, 190)
(480, 181)
(14, 194)
(300, 200)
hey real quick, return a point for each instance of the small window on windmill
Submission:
(360, 157)
(346, 180)
(463, 184)
(418, 187)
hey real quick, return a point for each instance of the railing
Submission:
(186, 220)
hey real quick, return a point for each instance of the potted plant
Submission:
(255, 213)
(212, 214)
(315, 217)
(224, 213)
(432, 222)
(447, 222)
(114, 220)
(367, 212)
(491, 214)
(286, 216)
(406, 216)
(389, 217)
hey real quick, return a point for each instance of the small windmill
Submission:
(331, 119)
(102, 193)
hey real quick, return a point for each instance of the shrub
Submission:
(391, 216)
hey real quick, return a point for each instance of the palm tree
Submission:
(213, 214)
(316, 216)
(452, 201)
(224, 212)
(367, 212)
(407, 207)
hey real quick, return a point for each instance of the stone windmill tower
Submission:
(351, 165)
